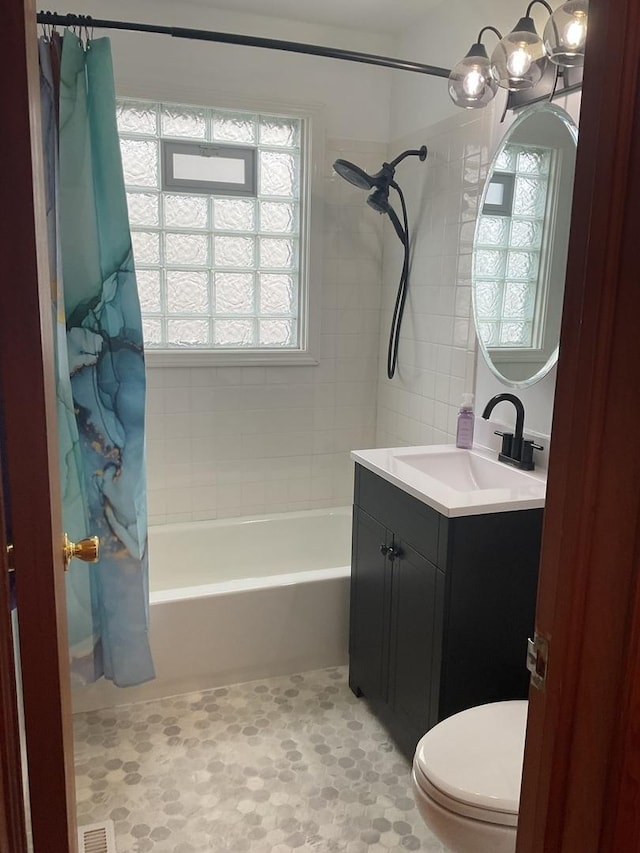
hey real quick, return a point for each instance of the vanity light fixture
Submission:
(518, 62)
(471, 82)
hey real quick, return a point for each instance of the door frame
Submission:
(27, 387)
(12, 817)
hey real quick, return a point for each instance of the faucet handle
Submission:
(528, 446)
(507, 442)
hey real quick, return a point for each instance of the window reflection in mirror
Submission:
(520, 246)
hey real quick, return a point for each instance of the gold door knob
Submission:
(87, 550)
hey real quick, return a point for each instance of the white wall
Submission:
(437, 344)
(356, 96)
(242, 441)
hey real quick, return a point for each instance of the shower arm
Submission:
(414, 152)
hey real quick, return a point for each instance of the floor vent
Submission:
(97, 838)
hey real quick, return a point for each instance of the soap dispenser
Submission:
(466, 422)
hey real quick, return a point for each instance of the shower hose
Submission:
(402, 230)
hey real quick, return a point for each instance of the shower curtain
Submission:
(99, 361)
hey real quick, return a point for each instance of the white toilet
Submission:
(466, 777)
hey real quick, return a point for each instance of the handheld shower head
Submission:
(379, 200)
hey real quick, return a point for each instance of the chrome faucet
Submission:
(516, 450)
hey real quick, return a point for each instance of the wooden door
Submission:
(581, 785)
(26, 387)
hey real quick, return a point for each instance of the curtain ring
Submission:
(46, 31)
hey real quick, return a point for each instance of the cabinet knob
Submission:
(391, 551)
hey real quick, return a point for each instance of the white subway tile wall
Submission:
(233, 441)
(437, 346)
(242, 441)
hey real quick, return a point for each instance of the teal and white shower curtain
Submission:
(100, 361)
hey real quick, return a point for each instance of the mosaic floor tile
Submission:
(275, 766)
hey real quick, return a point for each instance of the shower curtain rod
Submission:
(53, 19)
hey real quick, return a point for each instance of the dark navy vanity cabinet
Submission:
(441, 608)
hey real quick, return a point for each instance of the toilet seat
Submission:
(471, 763)
(460, 808)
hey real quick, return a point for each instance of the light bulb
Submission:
(575, 33)
(519, 62)
(473, 83)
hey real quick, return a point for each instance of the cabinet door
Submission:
(412, 644)
(370, 581)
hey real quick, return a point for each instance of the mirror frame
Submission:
(571, 126)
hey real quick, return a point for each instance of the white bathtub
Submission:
(239, 599)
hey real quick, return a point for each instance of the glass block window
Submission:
(507, 262)
(216, 271)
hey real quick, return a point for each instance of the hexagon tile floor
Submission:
(286, 764)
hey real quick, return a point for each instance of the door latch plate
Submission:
(538, 660)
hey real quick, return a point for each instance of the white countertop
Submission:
(456, 482)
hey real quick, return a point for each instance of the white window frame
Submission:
(311, 226)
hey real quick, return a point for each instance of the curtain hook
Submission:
(46, 30)
(82, 31)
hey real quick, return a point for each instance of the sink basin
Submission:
(466, 471)
(456, 482)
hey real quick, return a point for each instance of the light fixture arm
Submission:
(542, 3)
(484, 30)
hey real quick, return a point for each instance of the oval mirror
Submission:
(520, 246)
